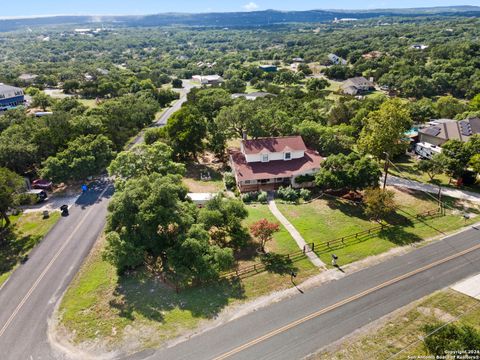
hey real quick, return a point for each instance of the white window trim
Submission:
(285, 155)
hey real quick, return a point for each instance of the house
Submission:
(268, 68)
(298, 60)
(357, 85)
(253, 96)
(208, 79)
(440, 131)
(10, 97)
(336, 60)
(268, 163)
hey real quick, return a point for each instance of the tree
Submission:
(10, 184)
(379, 203)
(85, 156)
(185, 131)
(433, 167)
(443, 339)
(456, 155)
(348, 172)
(316, 85)
(327, 140)
(385, 128)
(41, 100)
(235, 85)
(263, 230)
(448, 107)
(474, 104)
(475, 163)
(145, 159)
(177, 83)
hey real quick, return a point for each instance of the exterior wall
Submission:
(15, 101)
(431, 139)
(274, 156)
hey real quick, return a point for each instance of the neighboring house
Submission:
(441, 130)
(336, 60)
(268, 68)
(208, 79)
(268, 163)
(298, 60)
(253, 96)
(10, 97)
(357, 85)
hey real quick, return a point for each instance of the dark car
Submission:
(42, 184)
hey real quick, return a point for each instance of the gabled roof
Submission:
(357, 81)
(273, 144)
(448, 129)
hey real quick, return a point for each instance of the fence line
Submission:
(324, 246)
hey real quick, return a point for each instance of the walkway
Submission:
(295, 234)
(415, 185)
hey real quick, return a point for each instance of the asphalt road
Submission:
(302, 324)
(28, 298)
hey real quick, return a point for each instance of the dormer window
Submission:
(264, 157)
(287, 156)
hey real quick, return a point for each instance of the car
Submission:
(39, 195)
(42, 184)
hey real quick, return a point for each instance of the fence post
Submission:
(313, 246)
(304, 248)
(255, 267)
(343, 242)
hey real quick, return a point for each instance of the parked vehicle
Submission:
(427, 150)
(40, 195)
(42, 184)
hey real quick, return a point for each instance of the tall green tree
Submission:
(10, 185)
(385, 128)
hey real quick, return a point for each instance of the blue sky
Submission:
(10, 8)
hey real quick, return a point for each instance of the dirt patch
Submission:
(437, 313)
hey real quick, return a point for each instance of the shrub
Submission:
(250, 196)
(288, 194)
(229, 180)
(262, 197)
(304, 178)
(305, 194)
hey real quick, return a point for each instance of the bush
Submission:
(27, 199)
(262, 197)
(450, 337)
(250, 196)
(288, 194)
(304, 178)
(305, 194)
(229, 180)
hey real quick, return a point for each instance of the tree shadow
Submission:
(397, 235)
(349, 209)
(92, 196)
(278, 264)
(143, 294)
(13, 247)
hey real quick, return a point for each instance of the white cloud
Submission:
(251, 6)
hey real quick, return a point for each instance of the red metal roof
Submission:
(273, 169)
(275, 144)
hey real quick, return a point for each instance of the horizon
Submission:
(50, 8)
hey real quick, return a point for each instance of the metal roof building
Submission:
(10, 96)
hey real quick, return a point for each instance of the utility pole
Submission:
(440, 199)
(385, 169)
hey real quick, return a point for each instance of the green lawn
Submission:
(405, 328)
(90, 103)
(27, 231)
(406, 167)
(100, 305)
(327, 219)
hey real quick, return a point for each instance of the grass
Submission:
(27, 231)
(327, 219)
(405, 166)
(101, 306)
(90, 103)
(194, 182)
(405, 328)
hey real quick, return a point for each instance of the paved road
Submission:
(415, 185)
(28, 298)
(338, 308)
(162, 120)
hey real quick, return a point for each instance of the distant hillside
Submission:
(236, 19)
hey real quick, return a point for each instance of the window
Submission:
(247, 182)
(264, 157)
(288, 156)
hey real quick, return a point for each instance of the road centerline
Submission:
(343, 302)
